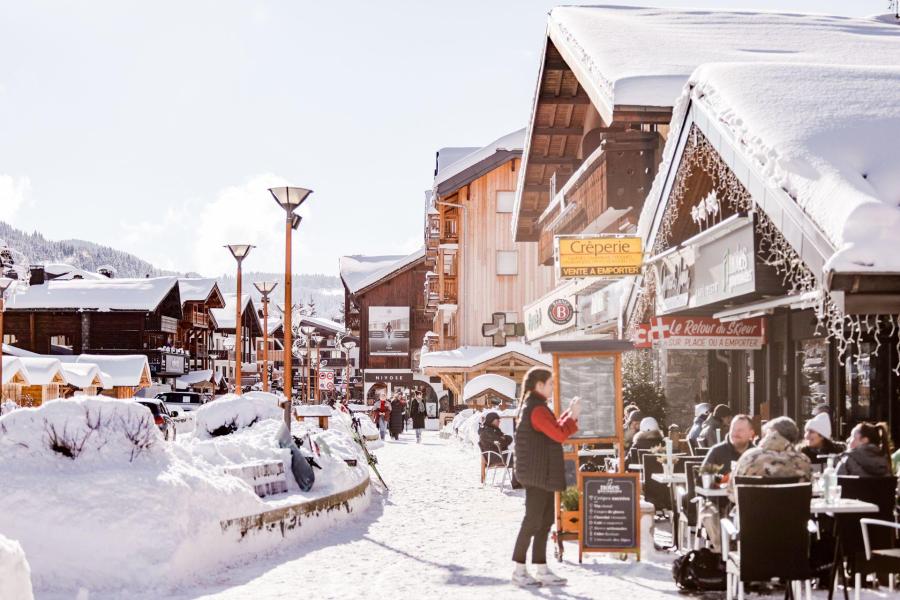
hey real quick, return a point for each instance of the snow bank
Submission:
(231, 413)
(98, 500)
(15, 574)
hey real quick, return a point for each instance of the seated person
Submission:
(701, 414)
(632, 426)
(491, 438)
(870, 452)
(740, 434)
(775, 456)
(817, 438)
(648, 437)
(715, 427)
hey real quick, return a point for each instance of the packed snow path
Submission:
(436, 534)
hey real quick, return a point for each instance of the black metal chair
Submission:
(773, 533)
(882, 492)
(655, 493)
(688, 522)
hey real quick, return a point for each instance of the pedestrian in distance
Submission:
(398, 409)
(382, 415)
(417, 414)
(541, 471)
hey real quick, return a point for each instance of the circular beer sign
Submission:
(560, 311)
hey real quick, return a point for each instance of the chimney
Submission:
(36, 275)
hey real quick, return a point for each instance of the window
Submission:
(505, 202)
(507, 262)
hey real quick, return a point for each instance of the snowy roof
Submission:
(64, 271)
(195, 377)
(120, 370)
(322, 323)
(474, 164)
(839, 161)
(16, 351)
(360, 272)
(625, 55)
(500, 384)
(93, 294)
(225, 316)
(449, 155)
(14, 369)
(82, 375)
(196, 289)
(43, 370)
(470, 356)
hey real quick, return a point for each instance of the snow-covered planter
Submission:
(15, 574)
(230, 413)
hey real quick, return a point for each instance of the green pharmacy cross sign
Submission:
(498, 329)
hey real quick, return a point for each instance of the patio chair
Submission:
(882, 492)
(655, 493)
(493, 461)
(687, 508)
(772, 533)
(890, 557)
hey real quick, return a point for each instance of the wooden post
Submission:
(237, 334)
(288, 309)
(265, 384)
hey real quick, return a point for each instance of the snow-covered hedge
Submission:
(15, 574)
(230, 413)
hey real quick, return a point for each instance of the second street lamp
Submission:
(318, 341)
(307, 331)
(265, 288)
(290, 199)
(239, 252)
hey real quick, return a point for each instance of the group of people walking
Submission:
(392, 417)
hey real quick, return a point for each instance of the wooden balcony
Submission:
(449, 293)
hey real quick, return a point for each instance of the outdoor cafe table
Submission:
(716, 492)
(843, 506)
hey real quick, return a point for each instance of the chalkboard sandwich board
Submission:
(610, 512)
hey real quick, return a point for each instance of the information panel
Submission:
(610, 512)
(593, 378)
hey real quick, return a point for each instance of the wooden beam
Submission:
(551, 99)
(558, 130)
(553, 160)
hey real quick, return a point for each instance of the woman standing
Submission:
(398, 416)
(540, 469)
(417, 413)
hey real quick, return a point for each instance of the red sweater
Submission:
(557, 430)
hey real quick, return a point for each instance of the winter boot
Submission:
(522, 578)
(547, 577)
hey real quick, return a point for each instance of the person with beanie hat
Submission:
(701, 413)
(715, 428)
(817, 438)
(648, 437)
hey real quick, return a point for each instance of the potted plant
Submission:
(708, 475)
(569, 503)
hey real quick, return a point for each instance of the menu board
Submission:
(610, 512)
(593, 379)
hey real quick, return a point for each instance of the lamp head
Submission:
(349, 345)
(240, 251)
(265, 287)
(307, 330)
(289, 198)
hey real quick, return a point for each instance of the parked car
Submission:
(183, 401)
(162, 416)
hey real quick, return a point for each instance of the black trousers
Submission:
(535, 529)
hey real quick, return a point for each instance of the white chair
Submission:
(892, 554)
(502, 461)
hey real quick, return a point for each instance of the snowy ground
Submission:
(436, 535)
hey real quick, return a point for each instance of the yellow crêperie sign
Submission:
(598, 255)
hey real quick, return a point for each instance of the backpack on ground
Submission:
(699, 571)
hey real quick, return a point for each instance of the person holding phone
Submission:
(540, 470)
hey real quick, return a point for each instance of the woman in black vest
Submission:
(540, 469)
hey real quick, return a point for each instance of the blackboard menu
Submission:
(593, 378)
(610, 510)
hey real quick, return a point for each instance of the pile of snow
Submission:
(15, 574)
(97, 499)
(231, 413)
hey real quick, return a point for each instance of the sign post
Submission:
(592, 370)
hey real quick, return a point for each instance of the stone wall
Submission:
(684, 376)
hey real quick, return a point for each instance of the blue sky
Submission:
(156, 127)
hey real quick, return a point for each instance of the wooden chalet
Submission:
(199, 296)
(99, 316)
(371, 284)
(46, 380)
(15, 378)
(223, 339)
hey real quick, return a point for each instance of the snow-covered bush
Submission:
(468, 431)
(15, 574)
(230, 413)
(80, 428)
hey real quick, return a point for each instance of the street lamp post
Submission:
(307, 331)
(290, 199)
(318, 340)
(265, 288)
(348, 346)
(5, 284)
(239, 252)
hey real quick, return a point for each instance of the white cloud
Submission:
(13, 192)
(242, 214)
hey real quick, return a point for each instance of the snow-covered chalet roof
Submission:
(13, 369)
(466, 357)
(64, 271)
(469, 166)
(360, 272)
(195, 377)
(500, 384)
(43, 370)
(626, 55)
(93, 294)
(82, 375)
(120, 370)
(322, 323)
(225, 316)
(196, 289)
